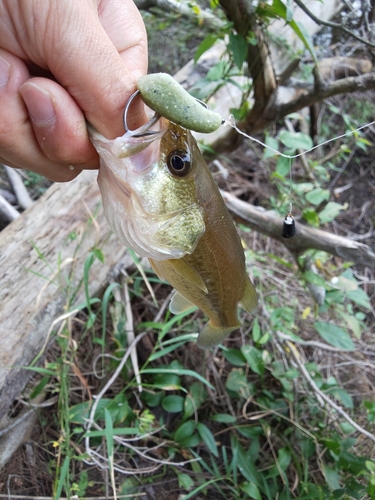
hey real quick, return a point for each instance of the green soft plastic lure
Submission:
(164, 95)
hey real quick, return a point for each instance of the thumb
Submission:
(98, 57)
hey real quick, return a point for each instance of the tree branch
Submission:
(317, 94)
(306, 237)
(320, 22)
(242, 14)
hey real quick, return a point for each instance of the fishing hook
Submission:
(145, 129)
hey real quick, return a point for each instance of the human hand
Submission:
(61, 63)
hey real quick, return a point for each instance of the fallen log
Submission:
(42, 255)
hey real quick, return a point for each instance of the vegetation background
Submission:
(285, 409)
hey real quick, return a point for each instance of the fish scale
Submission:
(178, 220)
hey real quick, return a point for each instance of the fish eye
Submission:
(178, 162)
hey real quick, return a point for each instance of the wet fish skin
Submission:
(151, 211)
(195, 247)
(218, 260)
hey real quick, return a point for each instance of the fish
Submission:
(161, 200)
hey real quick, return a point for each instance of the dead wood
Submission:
(42, 255)
(306, 237)
(18, 186)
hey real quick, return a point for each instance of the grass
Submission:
(267, 415)
(283, 410)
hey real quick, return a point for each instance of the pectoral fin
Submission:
(179, 303)
(213, 335)
(249, 300)
(185, 270)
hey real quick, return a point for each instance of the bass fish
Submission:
(160, 198)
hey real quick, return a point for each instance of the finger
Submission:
(88, 64)
(58, 123)
(18, 144)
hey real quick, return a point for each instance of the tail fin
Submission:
(213, 335)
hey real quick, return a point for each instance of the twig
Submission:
(18, 186)
(129, 328)
(321, 396)
(7, 209)
(320, 22)
(115, 374)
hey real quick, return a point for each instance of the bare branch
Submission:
(320, 22)
(18, 186)
(7, 209)
(322, 397)
(306, 237)
(323, 91)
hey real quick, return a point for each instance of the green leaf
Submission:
(254, 358)
(353, 324)
(38, 389)
(330, 211)
(108, 431)
(284, 458)
(256, 331)
(63, 473)
(173, 403)
(152, 399)
(247, 467)
(207, 438)
(162, 352)
(311, 217)
(313, 278)
(217, 71)
(238, 47)
(185, 481)
(272, 143)
(360, 297)
(234, 356)
(251, 490)
(342, 395)
(332, 477)
(224, 418)
(296, 140)
(334, 335)
(194, 399)
(179, 372)
(117, 431)
(237, 382)
(184, 431)
(206, 44)
(278, 9)
(166, 381)
(317, 196)
(283, 166)
(99, 254)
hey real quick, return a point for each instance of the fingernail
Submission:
(39, 104)
(4, 72)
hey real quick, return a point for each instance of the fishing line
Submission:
(232, 123)
(289, 226)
